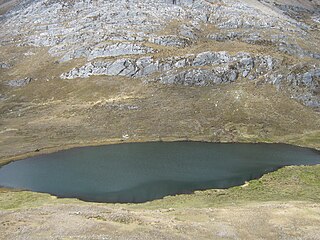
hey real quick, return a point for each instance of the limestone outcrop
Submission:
(188, 42)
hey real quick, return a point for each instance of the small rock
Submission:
(19, 82)
(4, 65)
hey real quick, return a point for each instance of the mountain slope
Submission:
(77, 72)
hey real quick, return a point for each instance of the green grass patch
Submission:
(292, 183)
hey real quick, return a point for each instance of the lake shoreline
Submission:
(48, 150)
(140, 172)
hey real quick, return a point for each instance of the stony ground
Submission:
(75, 73)
(273, 220)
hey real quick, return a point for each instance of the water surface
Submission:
(139, 172)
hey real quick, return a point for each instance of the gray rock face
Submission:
(282, 43)
(75, 29)
(209, 58)
(304, 85)
(130, 67)
(243, 36)
(171, 40)
(105, 50)
(296, 50)
(115, 39)
(316, 18)
(200, 77)
(223, 68)
(118, 49)
(220, 67)
(19, 82)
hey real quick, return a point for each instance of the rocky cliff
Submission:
(127, 38)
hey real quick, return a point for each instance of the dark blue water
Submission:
(139, 172)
